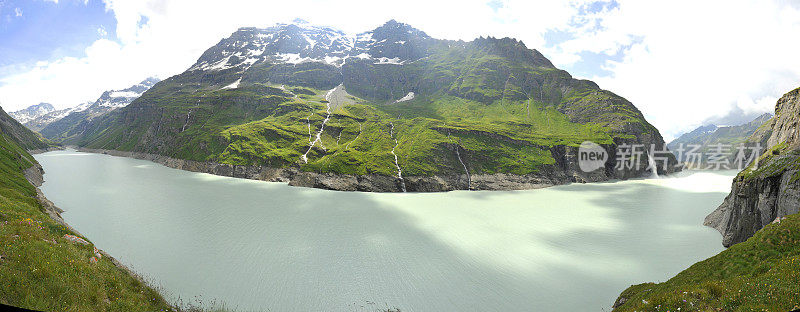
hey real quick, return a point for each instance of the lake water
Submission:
(263, 246)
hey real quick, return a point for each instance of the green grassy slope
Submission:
(21, 135)
(760, 274)
(40, 269)
(63, 129)
(502, 104)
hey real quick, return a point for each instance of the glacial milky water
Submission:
(270, 247)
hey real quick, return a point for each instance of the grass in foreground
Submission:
(41, 270)
(760, 274)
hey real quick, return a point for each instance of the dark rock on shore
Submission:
(564, 172)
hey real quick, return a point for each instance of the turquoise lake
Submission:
(260, 246)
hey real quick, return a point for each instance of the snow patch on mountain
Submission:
(108, 101)
(32, 112)
(292, 58)
(302, 42)
(234, 85)
(125, 94)
(408, 97)
(386, 60)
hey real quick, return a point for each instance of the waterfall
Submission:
(651, 162)
(318, 138)
(469, 179)
(397, 164)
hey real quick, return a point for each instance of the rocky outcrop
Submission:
(35, 175)
(754, 203)
(787, 112)
(382, 183)
(759, 195)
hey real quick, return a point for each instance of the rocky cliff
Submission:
(769, 190)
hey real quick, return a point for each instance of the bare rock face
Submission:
(787, 113)
(754, 203)
(772, 191)
(35, 175)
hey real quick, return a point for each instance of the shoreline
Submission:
(365, 183)
(94, 162)
(35, 176)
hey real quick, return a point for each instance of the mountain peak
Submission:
(32, 112)
(147, 82)
(393, 29)
(764, 117)
(121, 98)
(512, 49)
(42, 106)
(392, 43)
(299, 21)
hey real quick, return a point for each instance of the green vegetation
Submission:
(40, 269)
(502, 105)
(774, 162)
(759, 274)
(21, 136)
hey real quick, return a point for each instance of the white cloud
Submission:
(696, 59)
(684, 61)
(164, 38)
(760, 105)
(17, 12)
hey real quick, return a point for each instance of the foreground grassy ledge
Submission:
(40, 269)
(760, 274)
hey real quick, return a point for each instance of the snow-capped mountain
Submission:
(110, 100)
(32, 112)
(392, 43)
(114, 99)
(391, 101)
(40, 122)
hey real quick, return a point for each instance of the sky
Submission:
(682, 63)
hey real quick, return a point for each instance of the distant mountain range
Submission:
(389, 109)
(40, 116)
(39, 122)
(710, 136)
(71, 124)
(32, 112)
